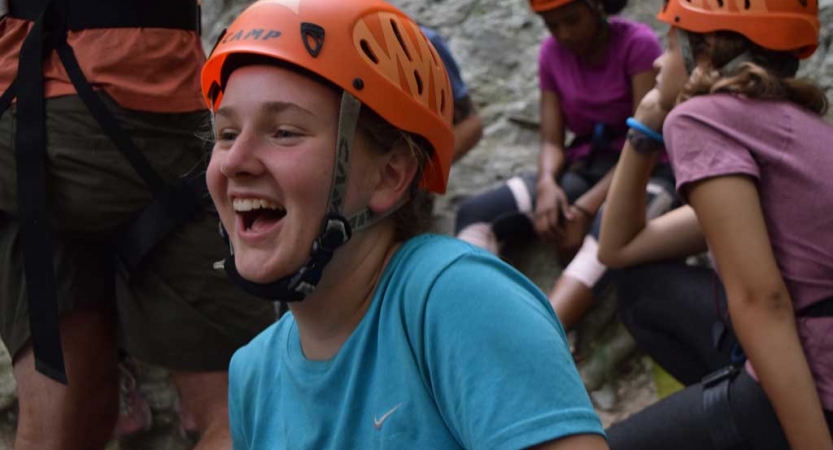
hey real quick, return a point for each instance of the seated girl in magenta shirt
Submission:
(593, 70)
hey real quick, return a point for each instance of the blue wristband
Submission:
(642, 128)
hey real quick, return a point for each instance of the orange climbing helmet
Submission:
(781, 25)
(540, 6)
(368, 48)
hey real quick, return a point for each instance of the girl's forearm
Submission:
(550, 161)
(624, 215)
(765, 326)
(592, 200)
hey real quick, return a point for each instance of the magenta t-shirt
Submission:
(601, 93)
(787, 151)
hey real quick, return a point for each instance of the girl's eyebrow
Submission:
(269, 107)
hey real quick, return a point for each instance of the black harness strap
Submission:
(36, 236)
(86, 14)
(822, 308)
(7, 97)
(156, 222)
(723, 430)
(172, 205)
(108, 123)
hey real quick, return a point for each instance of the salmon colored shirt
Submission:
(145, 69)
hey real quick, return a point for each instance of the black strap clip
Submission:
(335, 233)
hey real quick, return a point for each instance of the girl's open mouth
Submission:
(257, 215)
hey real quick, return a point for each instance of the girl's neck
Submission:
(597, 52)
(330, 315)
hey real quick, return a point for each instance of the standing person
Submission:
(105, 235)
(328, 141)
(750, 151)
(466, 122)
(593, 71)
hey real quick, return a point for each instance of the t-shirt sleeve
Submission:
(236, 419)
(546, 78)
(458, 86)
(498, 363)
(643, 48)
(701, 144)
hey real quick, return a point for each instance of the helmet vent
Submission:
(442, 100)
(367, 51)
(747, 4)
(418, 78)
(434, 56)
(399, 38)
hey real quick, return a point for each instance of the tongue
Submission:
(264, 221)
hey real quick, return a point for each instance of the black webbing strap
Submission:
(7, 97)
(85, 14)
(36, 236)
(110, 125)
(822, 308)
(155, 222)
(172, 204)
(723, 431)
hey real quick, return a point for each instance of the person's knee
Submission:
(91, 397)
(470, 212)
(205, 397)
(480, 235)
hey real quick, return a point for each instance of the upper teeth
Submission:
(249, 204)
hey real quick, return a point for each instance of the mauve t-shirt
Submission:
(600, 93)
(787, 151)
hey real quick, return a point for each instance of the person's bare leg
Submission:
(571, 299)
(205, 396)
(79, 416)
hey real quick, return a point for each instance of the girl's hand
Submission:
(650, 111)
(574, 231)
(551, 205)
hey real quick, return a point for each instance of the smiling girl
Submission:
(328, 140)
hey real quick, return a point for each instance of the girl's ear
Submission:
(397, 169)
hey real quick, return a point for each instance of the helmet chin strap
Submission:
(336, 230)
(685, 49)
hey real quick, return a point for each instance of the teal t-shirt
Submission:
(457, 350)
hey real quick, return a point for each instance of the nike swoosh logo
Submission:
(377, 423)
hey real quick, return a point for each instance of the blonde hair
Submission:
(414, 217)
(765, 74)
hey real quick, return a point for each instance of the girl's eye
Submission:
(284, 133)
(226, 135)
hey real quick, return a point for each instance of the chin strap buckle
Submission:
(336, 231)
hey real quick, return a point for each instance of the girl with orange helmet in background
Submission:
(332, 124)
(593, 71)
(751, 154)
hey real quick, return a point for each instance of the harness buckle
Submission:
(714, 378)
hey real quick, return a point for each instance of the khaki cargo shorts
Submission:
(174, 310)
